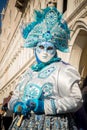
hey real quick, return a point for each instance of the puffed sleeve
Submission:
(18, 92)
(69, 98)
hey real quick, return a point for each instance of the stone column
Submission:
(70, 7)
(60, 5)
(43, 4)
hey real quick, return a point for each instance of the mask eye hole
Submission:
(41, 47)
(50, 48)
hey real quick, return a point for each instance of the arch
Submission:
(78, 55)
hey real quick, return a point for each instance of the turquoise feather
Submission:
(48, 26)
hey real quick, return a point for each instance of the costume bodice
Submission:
(48, 83)
(56, 84)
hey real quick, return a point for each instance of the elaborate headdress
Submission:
(48, 26)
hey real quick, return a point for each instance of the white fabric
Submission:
(66, 92)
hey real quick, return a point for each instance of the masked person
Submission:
(48, 92)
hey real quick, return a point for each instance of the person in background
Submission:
(7, 116)
(1, 115)
(80, 117)
(84, 93)
(81, 114)
(48, 92)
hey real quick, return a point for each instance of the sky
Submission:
(2, 4)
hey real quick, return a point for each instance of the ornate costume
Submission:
(48, 93)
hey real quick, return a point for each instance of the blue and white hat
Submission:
(48, 26)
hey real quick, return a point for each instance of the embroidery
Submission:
(65, 63)
(47, 89)
(46, 72)
(53, 106)
(43, 122)
(27, 74)
(23, 80)
(56, 124)
(47, 122)
(48, 26)
(31, 91)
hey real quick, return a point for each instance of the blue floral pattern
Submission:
(47, 89)
(47, 20)
(46, 72)
(31, 91)
(51, 18)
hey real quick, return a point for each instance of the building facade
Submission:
(14, 59)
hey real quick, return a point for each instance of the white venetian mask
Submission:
(45, 51)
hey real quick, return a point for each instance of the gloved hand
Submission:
(36, 105)
(21, 108)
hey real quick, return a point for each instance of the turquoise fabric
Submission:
(48, 26)
(41, 65)
(36, 105)
(24, 109)
(45, 122)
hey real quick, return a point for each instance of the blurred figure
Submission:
(84, 93)
(81, 114)
(81, 118)
(1, 120)
(7, 114)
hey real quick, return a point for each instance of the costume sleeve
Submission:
(18, 92)
(69, 98)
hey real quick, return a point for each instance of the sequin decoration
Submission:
(48, 26)
(31, 91)
(46, 72)
(47, 89)
(51, 19)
